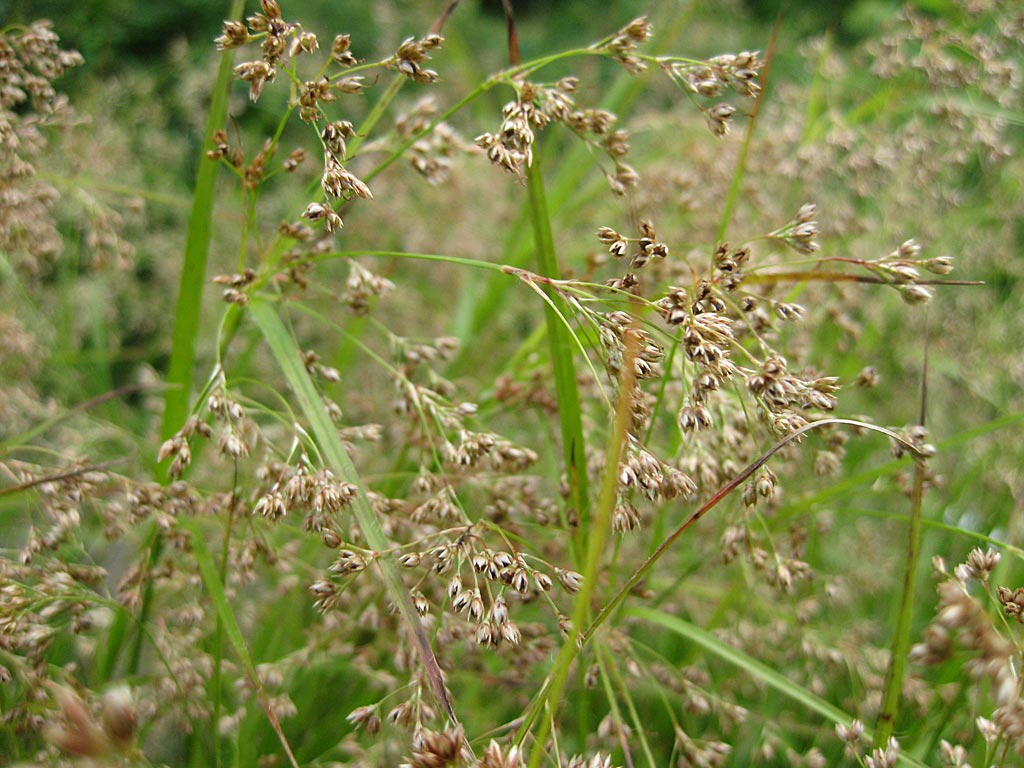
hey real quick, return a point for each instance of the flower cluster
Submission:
(710, 79)
(30, 60)
(961, 620)
(412, 54)
(623, 44)
(281, 42)
(538, 105)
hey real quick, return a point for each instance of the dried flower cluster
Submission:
(538, 105)
(623, 44)
(30, 107)
(962, 621)
(281, 41)
(710, 79)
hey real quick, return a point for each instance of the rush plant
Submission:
(511, 446)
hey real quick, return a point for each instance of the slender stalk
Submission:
(186, 323)
(735, 186)
(604, 665)
(218, 634)
(753, 669)
(711, 503)
(550, 695)
(804, 276)
(609, 667)
(215, 588)
(900, 649)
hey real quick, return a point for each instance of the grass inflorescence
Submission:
(542, 418)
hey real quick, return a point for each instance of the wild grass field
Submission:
(511, 384)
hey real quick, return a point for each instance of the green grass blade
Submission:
(561, 354)
(187, 311)
(215, 588)
(893, 689)
(752, 667)
(900, 648)
(283, 347)
(197, 246)
(610, 673)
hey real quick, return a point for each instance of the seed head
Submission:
(235, 34)
(570, 580)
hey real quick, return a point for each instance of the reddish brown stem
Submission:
(514, 57)
(841, 277)
(711, 503)
(440, 21)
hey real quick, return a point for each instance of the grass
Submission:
(462, 483)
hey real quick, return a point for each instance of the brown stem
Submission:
(841, 277)
(514, 57)
(58, 477)
(724, 491)
(440, 21)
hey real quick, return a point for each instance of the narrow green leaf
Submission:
(215, 588)
(212, 581)
(569, 412)
(186, 314)
(197, 246)
(311, 404)
(754, 668)
(900, 647)
(550, 696)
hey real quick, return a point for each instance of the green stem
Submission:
(376, 113)
(311, 404)
(610, 668)
(901, 635)
(186, 318)
(550, 694)
(218, 635)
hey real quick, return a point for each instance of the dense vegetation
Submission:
(401, 383)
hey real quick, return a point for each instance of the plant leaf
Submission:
(215, 588)
(311, 404)
(756, 669)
